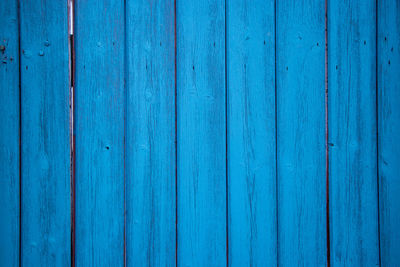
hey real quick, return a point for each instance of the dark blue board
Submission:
(352, 133)
(300, 65)
(150, 133)
(9, 134)
(251, 133)
(99, 130)
(201, 133)
(389, 129)
(45, 181)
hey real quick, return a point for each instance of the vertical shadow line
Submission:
(328, 250)
(20, 131)
(377, 125)
(126, 88)
(226, 137)
(176, 137)
(276, 135)
(71, 20)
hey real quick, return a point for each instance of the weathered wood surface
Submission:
(389, 129)
(99, 129)
(352, 133)
(150, 133)
(251, 133)
(201, 133)
(9, 134)
(45, 174)
(300, 104)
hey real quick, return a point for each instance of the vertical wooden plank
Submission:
(251, 133)
(99, 131)
(150, 134)
(45, 226)
(201, 133)
(389, 129)
(9, 137)
(301, 133)
(352, 133)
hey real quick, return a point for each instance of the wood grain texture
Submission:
(251, 133)
(352, 133)
(201, 133)
(301, 133)
(99, 130)
(9, 137)
(45, 182)
(150, 134)
(389, 129)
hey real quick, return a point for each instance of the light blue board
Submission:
(352, 133)
(201, 133)
(45, 181)
(389, 129)
(9, 134)
(251, 133)
(301, 133)
(99, 129)
(150, 133)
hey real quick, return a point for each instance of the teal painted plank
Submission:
(352, 133)
(251, 133)
(9, 137)
(389, 129)
(99, 132)
(201, 133)
(45, 233)
(150, 134)
(301, 133)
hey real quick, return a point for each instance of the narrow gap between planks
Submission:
(20, 131)
(126, 84)
(276, 137)
(176, 138)
(377, 126)
(328, 250)
(71, 47)
(226, 137)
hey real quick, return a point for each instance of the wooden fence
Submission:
(200, 133)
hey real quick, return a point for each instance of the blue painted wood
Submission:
(301, 133)
(271, 209)
(389, 129)
(9, 134)
(352, 133)
(150, 133)
(45, 182)
(201, 133)
(251, 133)
(99, 130)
